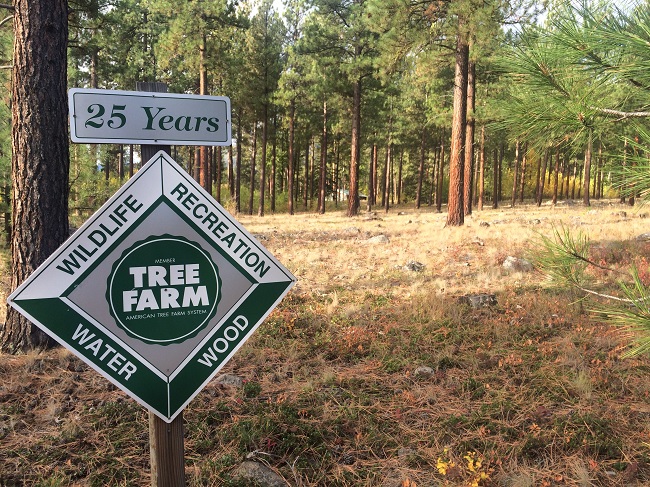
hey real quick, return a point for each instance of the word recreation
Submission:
(102, 233)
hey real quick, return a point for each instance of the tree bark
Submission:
(556, 179)
(418, 192)
(240, 142)
(481, 174)
(455, 214)
(495, 177)
(515, 173)
(218, 173)
(305, 194)
(291, 155)
(468, 180)
(251, 196)
(265, 138)
(522, 176)
(40, 158)
(355, 154)
(372, 178)
(274, 159)
(322, 178)
(441, 173)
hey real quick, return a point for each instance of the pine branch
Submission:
(606, 296)
(620, 114)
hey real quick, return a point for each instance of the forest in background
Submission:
(372, 103)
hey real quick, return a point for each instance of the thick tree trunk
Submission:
(455, 213)
(40, 153)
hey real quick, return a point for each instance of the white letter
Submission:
(147, 300)
(196, 298)
(129, 298)
(176, 275)
(157, 274)
(138, 274)
(192, 274)
(169, 298)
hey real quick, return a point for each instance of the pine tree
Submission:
(40, 161)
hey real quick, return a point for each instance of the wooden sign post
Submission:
(166, 440)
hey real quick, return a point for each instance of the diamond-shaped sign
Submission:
(157, 290)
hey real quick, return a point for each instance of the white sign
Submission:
(157, 290)
(139, 117)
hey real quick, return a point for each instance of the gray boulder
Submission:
(257, 472)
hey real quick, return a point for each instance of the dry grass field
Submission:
(372, 371)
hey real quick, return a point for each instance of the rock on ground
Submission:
(257, 472)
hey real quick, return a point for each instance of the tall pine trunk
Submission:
(418, 192)
(522, 176)
(455, 214)
(515, 173)
(265, 139)
(556, 176)
(322, 177)
(40, 154)
(291, 158)
(274, 154)
(481, 171)
(251, 196)
(495, 176)
(468, 180)
(355, 151)
(441, 173)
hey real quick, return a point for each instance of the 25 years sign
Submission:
(136, 117)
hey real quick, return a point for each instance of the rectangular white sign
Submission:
(140, 117)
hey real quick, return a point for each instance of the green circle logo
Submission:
(164, 290)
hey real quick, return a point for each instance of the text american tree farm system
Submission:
(161, 286)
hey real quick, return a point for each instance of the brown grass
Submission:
(528, 392)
